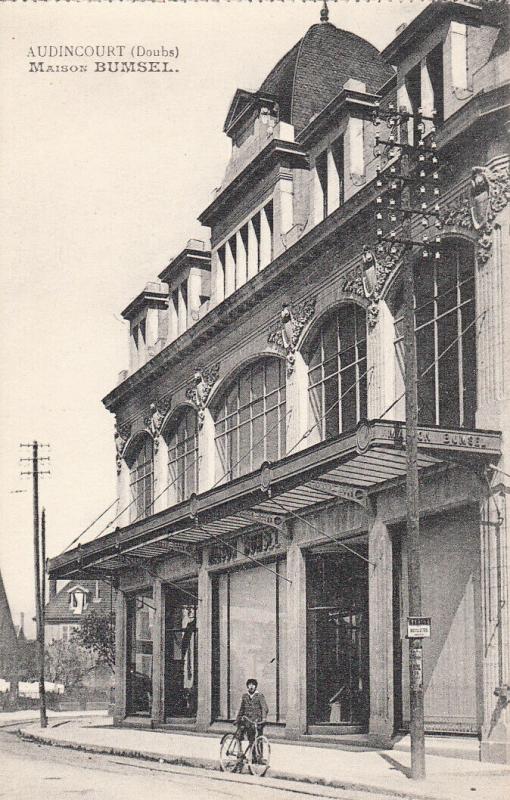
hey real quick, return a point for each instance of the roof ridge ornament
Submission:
(324, 12)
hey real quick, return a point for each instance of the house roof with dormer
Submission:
(99, 599)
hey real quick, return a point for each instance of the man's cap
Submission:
(252, 680)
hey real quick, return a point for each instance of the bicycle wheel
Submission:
(260, 756)
(230, 753)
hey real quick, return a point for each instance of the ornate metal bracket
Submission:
(285, 333)
(200, 388)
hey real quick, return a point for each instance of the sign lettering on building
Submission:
(475, 442)
(248, 544)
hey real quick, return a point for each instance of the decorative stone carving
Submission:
(200, 388)
(153, 422)
(121, 435)
(476, 210)
(370, 279)
(285, 333)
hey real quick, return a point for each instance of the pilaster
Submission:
(121, 665)
(380, 601)
(297, 404)
(385, 379)
(206, 464)
(296, 643)
(158, 653)
(204, 627)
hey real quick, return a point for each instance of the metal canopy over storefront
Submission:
(348, 468)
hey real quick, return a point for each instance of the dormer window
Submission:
(78, 600)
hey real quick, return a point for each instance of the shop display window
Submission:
(250, 637)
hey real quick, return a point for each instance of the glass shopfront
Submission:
(181, 656)
(250, 638)
(140, 624)
(337, 623)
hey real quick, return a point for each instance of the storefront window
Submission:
(250, 420)
(337, 634)
(141, 478)
(445, 338)
(181, 660)
(337, 367)
(182, 440)
(251, 638)
(140, 623)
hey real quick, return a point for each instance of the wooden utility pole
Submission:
(415, 165)
(39, 613)
(417, 730)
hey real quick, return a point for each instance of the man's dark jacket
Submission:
(252, 706)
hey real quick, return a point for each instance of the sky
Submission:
(102, 177)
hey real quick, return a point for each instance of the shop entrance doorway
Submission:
(181, 656)
(337, 622)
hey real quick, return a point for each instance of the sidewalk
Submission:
(8, 718)
(376, 771)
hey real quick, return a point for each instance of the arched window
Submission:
(337, 366)
(445, 344)
(141, 479)
(250, 419)
(182, 441)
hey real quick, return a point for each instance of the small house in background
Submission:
(67, 608)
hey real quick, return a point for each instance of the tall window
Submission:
(141, 474)
(250, 419)
(446, 348)
(182, 443)
(337, 372)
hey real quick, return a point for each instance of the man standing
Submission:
(252, 712)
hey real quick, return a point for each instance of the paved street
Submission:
(35, 771)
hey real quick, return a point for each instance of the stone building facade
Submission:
(259, 428)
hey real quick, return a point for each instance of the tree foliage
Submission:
(67, 663)
(96, 634)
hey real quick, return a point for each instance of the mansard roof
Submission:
(314, 71)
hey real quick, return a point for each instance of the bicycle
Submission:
(233, 756)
